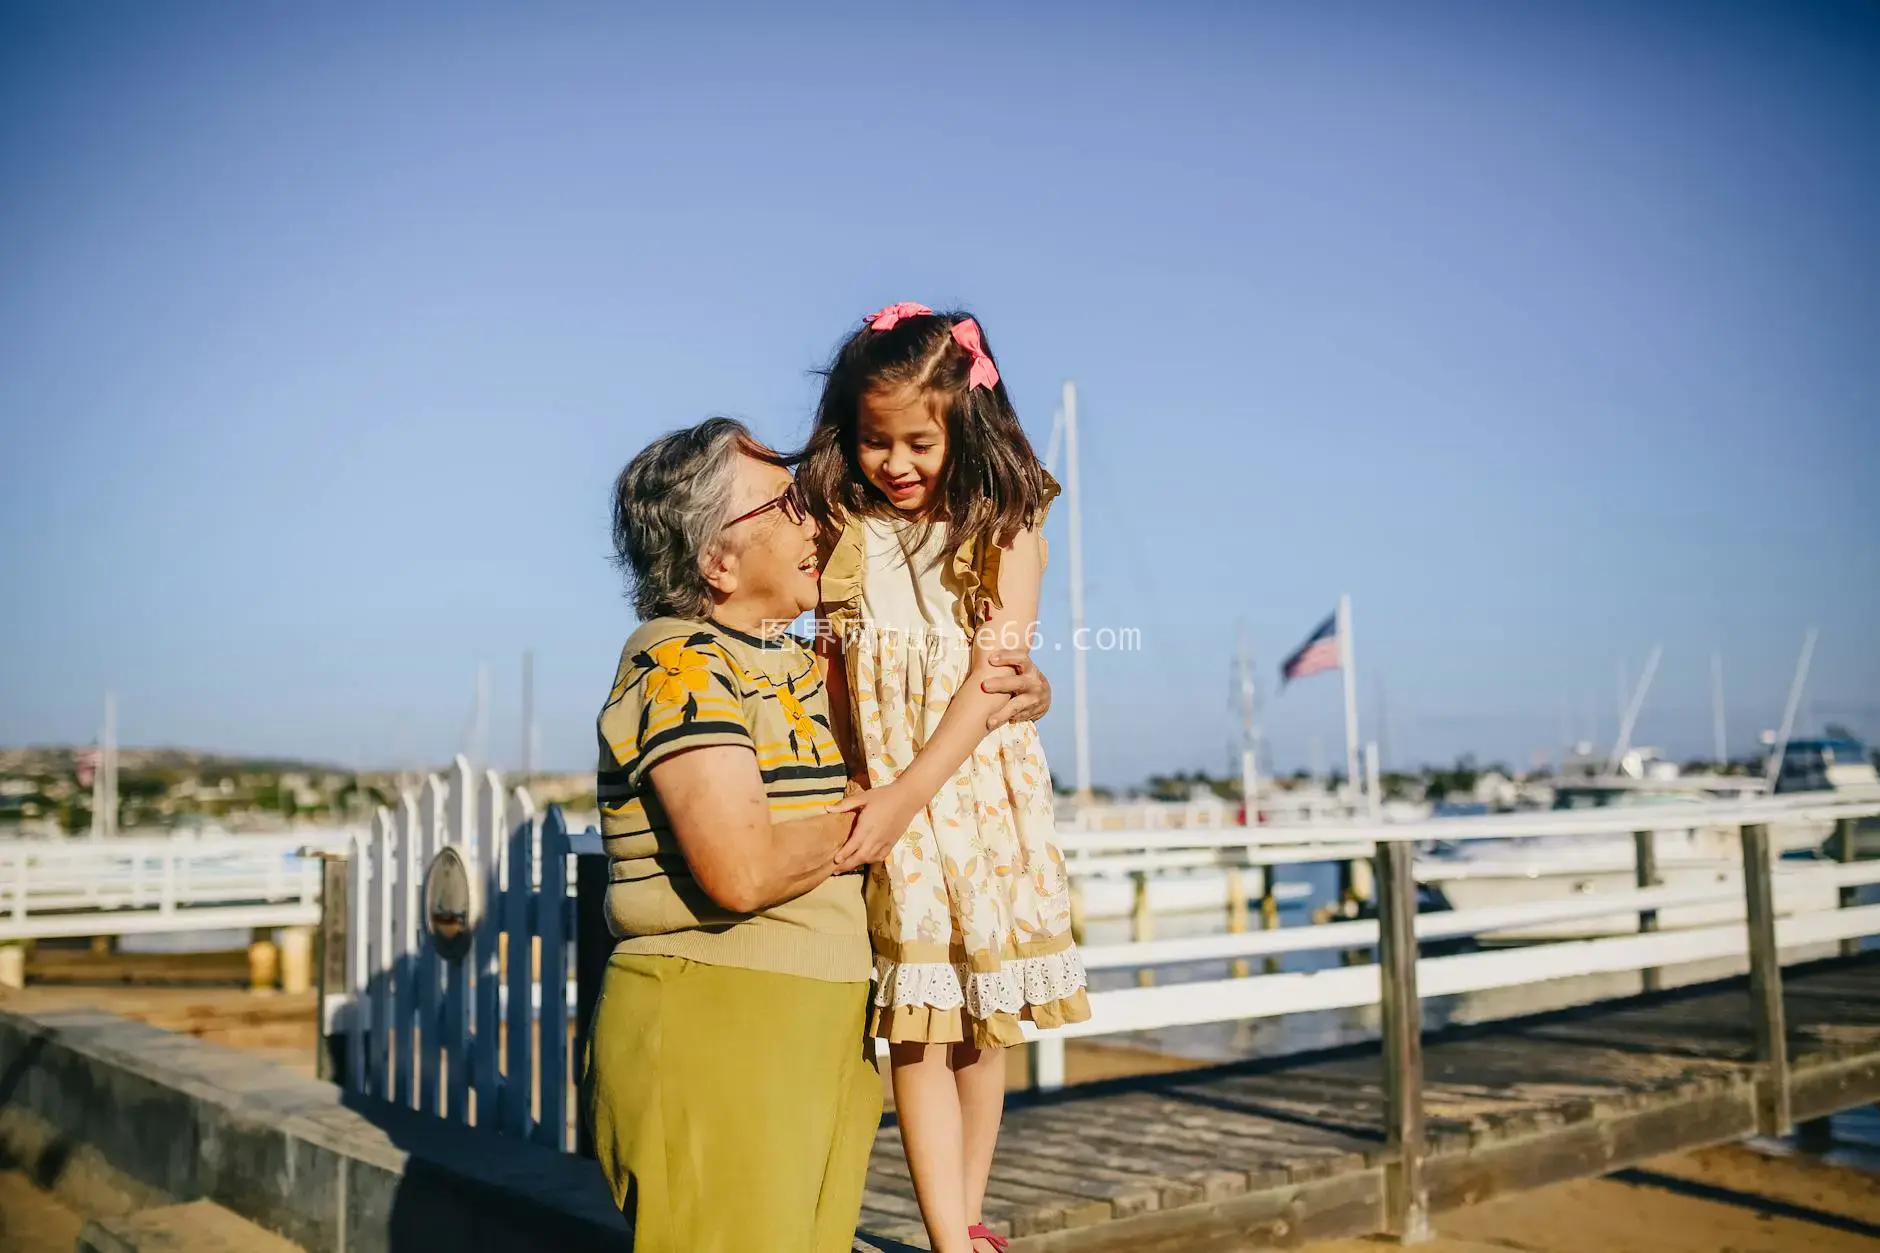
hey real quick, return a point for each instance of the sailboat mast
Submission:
(1628, 717)
(1079, 674)
(1800, 681)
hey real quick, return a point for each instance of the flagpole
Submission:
(1079, 676)
(1249, 760)
(1348, 662)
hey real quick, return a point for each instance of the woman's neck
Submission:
(752, 620)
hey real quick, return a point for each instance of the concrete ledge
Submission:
(198, 1227)
(128, 1116)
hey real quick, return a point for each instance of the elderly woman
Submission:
(732, 1100)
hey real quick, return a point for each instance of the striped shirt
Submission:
(687, 684)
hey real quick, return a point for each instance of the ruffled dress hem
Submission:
(955, 1002)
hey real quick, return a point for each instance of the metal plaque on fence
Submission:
(450, 904)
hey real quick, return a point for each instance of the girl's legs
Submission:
(927, 1104)
(979, 1080)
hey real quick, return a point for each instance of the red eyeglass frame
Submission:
(790, 501)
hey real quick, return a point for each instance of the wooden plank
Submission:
(405, 953)
(337, 933)
(1277, 1217)
(1818, 1090)
(380, 959)
(1185, 1156)
(1407, 1204)
(1066, 1151)
(485, 1073)
(550, 918)
(427, 970)
(460, 834)
(1123, 1193)
(593, 946)
(1590, 1147)
(1765, 976)
(331, 983)
(519, 936)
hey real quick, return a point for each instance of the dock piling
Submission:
(1645, 851)
(1406, 1197)
(1142, 922)
(1237, 915)
(264, 962)
(1765, 977)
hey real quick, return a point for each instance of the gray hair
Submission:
(670, 506)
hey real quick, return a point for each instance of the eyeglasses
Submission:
(790, 502)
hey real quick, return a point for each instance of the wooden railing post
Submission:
(1406, 1200)
(1142, 922)
(1645, 844)
(593, 945)
(1237, 914)
(1044, 1063)
(335, 900)
(1844, 853)
(1765, 981)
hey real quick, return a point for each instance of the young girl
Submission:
(931, 504)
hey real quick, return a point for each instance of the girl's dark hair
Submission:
(992, 485)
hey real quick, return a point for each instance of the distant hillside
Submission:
(47, 759)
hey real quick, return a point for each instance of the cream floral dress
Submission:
(970, 914)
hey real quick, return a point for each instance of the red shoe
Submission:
(979, 1231)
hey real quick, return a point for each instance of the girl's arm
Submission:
(835, 677)
(887, 811)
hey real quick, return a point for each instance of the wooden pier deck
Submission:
(1281, 1152)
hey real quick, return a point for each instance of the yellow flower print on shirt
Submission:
(802, 726)
(678, 672)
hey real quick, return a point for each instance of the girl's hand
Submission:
(882, 816)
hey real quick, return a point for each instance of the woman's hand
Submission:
(1029, 689)
(882, 817)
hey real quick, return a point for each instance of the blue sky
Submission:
(1547, 332)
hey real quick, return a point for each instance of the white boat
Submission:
(1481, 873)
(1837, 764)
(1105, 895)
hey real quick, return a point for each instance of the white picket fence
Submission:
(482, 1041)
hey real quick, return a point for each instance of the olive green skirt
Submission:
(733, 1110)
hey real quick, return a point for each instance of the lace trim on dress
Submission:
(1017, 983)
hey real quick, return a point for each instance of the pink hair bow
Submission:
(885, 319)
(984, 373)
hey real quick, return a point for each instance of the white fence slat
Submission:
(459, 833)
(428, 969)
(551, 911)
(484, 1050)
(405, 955)
(382, 915)
(358, 877)
(518, 1070)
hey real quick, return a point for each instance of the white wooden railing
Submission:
(1787, 912)
(82, 887)
(1135, 1009)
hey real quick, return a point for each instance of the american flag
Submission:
(1319, 652)
(87, 762)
